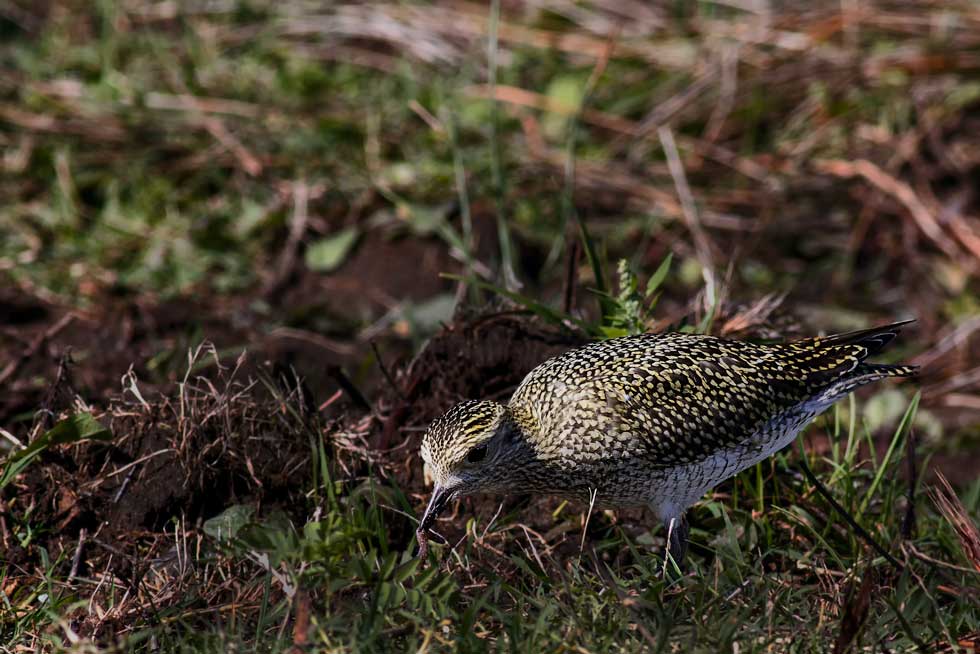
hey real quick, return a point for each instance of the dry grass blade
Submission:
(702, 244)
(754, 315)
(953, 510)
(524, 98)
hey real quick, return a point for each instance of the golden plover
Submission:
(651, 420)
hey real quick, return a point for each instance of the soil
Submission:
(185, 451)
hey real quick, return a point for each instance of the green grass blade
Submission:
(660, 275)
(900, 433)
(506, 244)
(73, 429)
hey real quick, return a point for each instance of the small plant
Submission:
(629, 311)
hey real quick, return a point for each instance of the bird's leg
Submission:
(677, 531)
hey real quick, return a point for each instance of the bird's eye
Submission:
(477, 454)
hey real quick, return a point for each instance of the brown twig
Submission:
(14, 366)
(77, 558)
(385, 372)
(4, 530)
(964, 233)
(214, 126)
(329, 344)
(896, 189)
(964, 379)
(957, 338)
(297, 227)
(657, 119)
(521, 97)
(855, 611)
(301, 622)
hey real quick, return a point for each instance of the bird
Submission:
(653, 420)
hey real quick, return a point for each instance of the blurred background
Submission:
(393, 206)
(296, 178)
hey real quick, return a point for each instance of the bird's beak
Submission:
(437, 503)
(440, 498)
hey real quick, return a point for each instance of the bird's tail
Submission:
(882, 370)
(873, 340)
(840, 377)
(866, 373)
(837, 363)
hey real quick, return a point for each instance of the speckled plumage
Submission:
(655, 419)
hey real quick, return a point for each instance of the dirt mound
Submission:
(485, 358)
(225, 437)
(182, 457)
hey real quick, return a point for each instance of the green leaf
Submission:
(74, 428)
(328, 253)
(384, 594)
(606, 305)
(406, 570)
(565, 92)
(387, 565)
(423, 220)
(229, 522)
(658, 277)
(428, 315)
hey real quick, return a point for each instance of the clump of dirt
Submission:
(220, 436)
(481, 358)
(184, 456)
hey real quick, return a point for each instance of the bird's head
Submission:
(475, 447)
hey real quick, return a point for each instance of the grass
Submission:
(165, 163)
(337, 571)
(588, 171)
(770, 560)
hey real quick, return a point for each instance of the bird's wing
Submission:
(681, 398)
(704, 396)
(669, 398)
(700, 395)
